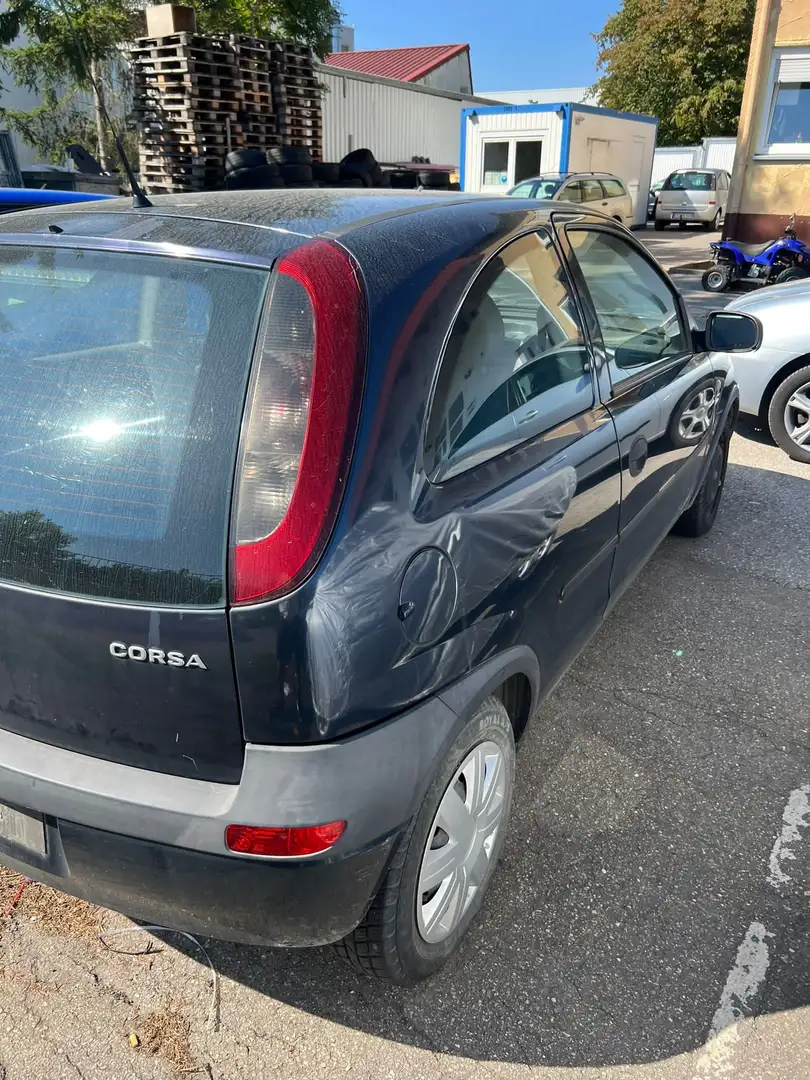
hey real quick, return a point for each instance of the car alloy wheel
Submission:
(797, 416)
(696, 419)
(460, 842)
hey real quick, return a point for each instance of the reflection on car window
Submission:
(613, 189)
(592, 191)
(637, 312)
(523, 190)
(572, 193)
(690, 181)
(515, 363)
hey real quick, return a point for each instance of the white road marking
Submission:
(794, 818)
(716, 1059)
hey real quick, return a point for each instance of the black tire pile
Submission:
(292, 166)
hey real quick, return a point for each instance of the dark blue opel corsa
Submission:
(307, 499)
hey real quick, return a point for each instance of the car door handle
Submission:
(528, 416)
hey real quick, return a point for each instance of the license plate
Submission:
(22, 829)
(682, 215)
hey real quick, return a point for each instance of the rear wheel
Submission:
(716, 279)
(699, 518)
(714, 224)
(660, 225)
(793, 273)
(789, 415)
(445, 861)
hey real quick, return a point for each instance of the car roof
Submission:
(695, 168)
(248, 223)
(568, 175)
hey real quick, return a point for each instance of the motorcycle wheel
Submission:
(716, 279)
(793, 273)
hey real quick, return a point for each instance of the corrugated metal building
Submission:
(713, 153)
(395, 120)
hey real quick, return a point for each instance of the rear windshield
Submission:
(122, 381)
(690, 181)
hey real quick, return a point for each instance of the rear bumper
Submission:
(247, 900)
(153, 845)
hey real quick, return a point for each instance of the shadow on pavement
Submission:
(650, 792)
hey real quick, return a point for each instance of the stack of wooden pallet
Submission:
(297, 97)
(186, 102)
(256, 122)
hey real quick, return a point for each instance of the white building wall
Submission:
(669, 158)
(718, 153)
(618, 145)
(511, 127)
(453, 75)
(395, 120)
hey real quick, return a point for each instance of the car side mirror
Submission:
(732, 331)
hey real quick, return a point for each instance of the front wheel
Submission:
(789, 415)
(699, 518)
(716, 279)
(445, 861)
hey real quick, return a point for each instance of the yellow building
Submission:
(771, 178)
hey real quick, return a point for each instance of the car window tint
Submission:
(515, 362)
(572, 192)
(592, 191)
(637, 312)
(613, 189)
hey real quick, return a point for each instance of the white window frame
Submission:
(790, 151)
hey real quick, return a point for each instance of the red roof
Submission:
(408, 65)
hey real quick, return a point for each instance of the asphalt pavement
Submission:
(649, 919)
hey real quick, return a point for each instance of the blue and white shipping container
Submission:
(504, 144)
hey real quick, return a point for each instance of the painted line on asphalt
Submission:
(750, 968)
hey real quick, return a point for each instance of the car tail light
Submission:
(283, 842)
(300, 422)
(712, 202)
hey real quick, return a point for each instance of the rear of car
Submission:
(174, 440)
(690, 196)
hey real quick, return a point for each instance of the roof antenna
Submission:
(139, 199)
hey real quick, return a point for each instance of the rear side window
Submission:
(592, 191)
(613, 189)
(122, 381)
(690, 181)
(515, 365)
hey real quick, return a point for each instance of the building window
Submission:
(786, 119)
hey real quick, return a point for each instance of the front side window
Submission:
(515, 363)
(636, 309)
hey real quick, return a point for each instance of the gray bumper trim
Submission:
(374, 781)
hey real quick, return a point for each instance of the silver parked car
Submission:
(601, 191)
(775, 380)
(689, 196)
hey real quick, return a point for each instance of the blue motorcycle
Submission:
(785, 259)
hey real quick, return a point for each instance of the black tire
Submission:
(659, 225)
(290, 155)
(326, 172)
(776, 415)
(351, 182)
(385, 180)
(455, 186)
(360, 160)
(699, 518)
(431, 179)
(404, 178)
(245, 159)
(793, 273)
(265, 176)
(361, 177)
(387, 943)
(296, 174)
(716, 279)
(713, 225)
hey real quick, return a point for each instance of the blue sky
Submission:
(514, 46)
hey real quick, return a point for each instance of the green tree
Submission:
(306, 21)
(71, 57)
(683, 61)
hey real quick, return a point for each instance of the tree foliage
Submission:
(683, 61)
(306, 21)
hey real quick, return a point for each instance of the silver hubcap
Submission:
(716, 279)
(460, 842)
(697, 416)
(797, 416)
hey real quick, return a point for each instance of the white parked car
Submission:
(601, 191)
(775, 380)
(693, 195)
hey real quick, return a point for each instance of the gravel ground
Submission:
(649, 920)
